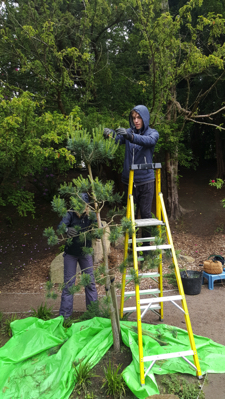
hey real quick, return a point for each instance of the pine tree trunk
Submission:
(113, 317)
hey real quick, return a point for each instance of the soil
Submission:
(25, 257)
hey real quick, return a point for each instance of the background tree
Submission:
(53, 49)
(174, 55)
(28, 143)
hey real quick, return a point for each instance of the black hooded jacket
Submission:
(141, 149)
(70, 220)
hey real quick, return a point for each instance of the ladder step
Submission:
(143, 292)
(161, 299)
(144, 239)
(168, 356)
(133, 308)
(153, 247)
(148, 222)
(143, 275)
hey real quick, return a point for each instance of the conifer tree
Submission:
(91, 149)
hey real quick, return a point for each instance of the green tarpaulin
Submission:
(37, 362)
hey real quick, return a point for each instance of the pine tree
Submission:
(91, 149)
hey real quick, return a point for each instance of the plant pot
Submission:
(192, 282)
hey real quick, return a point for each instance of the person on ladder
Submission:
(140, 141)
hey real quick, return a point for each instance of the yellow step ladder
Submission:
(156, 301)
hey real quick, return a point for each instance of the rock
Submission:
(119, 244)
(97, 246)
(56, 267)
(185, 258)
(56, 270)
(163, 396)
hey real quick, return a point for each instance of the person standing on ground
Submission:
(140, 141)
(74, 253)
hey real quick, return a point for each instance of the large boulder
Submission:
(56, 267)
(97, 246)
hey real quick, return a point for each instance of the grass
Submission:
(43, 312)
(82, 375)
(176, 385)
(113, 381)
(6, 328)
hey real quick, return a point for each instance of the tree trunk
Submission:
(173, 207)
(165, 5)
(112, 310)
(219, 155)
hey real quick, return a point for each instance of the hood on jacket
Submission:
(86, 209)
(85, 197)
(143, 111)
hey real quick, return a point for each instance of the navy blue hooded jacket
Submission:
(70, 220)
(141, 149)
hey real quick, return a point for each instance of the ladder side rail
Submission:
(130, 190)
(180, 288)
(138, 310)
(159, 217)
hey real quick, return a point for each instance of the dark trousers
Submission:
(143, 196)
(70, 268)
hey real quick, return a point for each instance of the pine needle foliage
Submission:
(151, 263)
(85, 279)
(116, 211)
(115, 234)
(50, 233)
(59, 205)
(74, 289)
(90, 148)
(61, 229)
(156, 337)
(99, 274)
(67, 323)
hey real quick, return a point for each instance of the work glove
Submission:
(123, 132)
(106, 133)
(71, 232)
